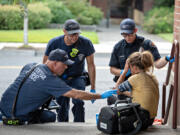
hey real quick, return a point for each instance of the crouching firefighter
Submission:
(24, 100)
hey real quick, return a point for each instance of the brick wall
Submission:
(177, 37)
(177, 20)
(103, 5)
(148, 4)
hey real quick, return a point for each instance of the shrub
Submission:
(59, 11)
(84, 12)
(76, 6)
(91, 15)
(7, 2)
(10, 17)
(84, 20)
(159, 20)
(39, 15)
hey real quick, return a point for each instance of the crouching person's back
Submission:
(24, 99)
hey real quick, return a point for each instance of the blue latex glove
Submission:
(171, 60)
(108, 93)
(93, 91)
(64, 76)
(127, 74)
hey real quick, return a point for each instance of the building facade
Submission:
(117, 10)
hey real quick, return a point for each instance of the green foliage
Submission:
(76, 6)
(167, 36)
(166, 3)
(159, 20)
(84, 20)
(91, 15)
(11, 2)
(84, 12)
(59, 11)
(5, 2)
(39, 15)
(10, 17)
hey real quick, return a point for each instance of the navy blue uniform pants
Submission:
(78, 105)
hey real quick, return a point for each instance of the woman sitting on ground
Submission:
(142, 86)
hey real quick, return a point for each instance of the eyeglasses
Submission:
(128, 35)
(73, 35)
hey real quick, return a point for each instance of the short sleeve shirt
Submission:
(84, 46)
(40, 86)
(145, 91)
(122, 50)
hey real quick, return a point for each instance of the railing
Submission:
(173, 93)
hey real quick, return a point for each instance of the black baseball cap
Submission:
(60, 55)
(127, 26)
(72, 26)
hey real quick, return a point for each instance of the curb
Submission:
(103, 49)
(40, 52)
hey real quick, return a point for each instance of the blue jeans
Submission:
(78, 108)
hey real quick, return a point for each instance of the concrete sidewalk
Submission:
(108, 37)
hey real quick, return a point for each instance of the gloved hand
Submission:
(64, 76)
(108, 93)
(93, 91)
(171, 60)
(127, 74)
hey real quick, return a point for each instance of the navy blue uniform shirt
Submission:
(123, 49)
(36, 90)
(84, 46)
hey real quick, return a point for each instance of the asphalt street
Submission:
(11, 62)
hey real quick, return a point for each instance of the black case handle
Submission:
(122, 101)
